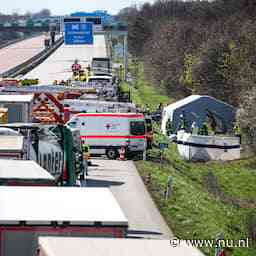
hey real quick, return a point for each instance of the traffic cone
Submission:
(122, 154)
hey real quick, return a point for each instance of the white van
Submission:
(107, 133)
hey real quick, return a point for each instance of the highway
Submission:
(121, 177)
(124, 181)
(16, 54)
(58, 65)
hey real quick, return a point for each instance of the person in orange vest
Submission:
(122, 153)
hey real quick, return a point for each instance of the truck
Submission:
(101, 66)
(56, 148)
(104, 85)
(108, 133)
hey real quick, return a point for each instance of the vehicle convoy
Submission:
(107, 133)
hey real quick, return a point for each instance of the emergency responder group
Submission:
(207, 128)
(78, 74)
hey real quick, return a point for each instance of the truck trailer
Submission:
(24, 173)
(27, 213)
(66, 246)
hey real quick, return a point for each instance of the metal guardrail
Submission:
(28, 65)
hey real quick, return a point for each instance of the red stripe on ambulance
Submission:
(112, 137)
(111, 115)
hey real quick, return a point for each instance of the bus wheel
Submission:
(112, 153)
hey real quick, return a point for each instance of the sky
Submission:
(60, 7)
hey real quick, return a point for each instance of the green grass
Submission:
(143, 93)
(193, 212)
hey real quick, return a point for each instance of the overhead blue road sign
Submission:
(78, 33)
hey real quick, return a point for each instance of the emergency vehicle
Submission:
(107, 133)
(105, 87)
(101, 66)
(94, 106)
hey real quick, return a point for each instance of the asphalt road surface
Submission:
(122, 178)
(16, 54)
(58, 65)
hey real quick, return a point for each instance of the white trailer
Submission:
(12, 147)
(29, 212)
(24, 173)
(59, 246)
(107, 133)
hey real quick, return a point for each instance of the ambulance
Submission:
(108, 133)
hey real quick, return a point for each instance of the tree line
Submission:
(199, 47)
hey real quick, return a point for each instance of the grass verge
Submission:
(208, 198)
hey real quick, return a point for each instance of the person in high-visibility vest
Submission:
(76, 76)
(204, 130)
(147, 109)
(169, 127)
(82, 76)
(121, 72)
(88, 70)
(86, 151)
(237, 131)
(183, 123)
